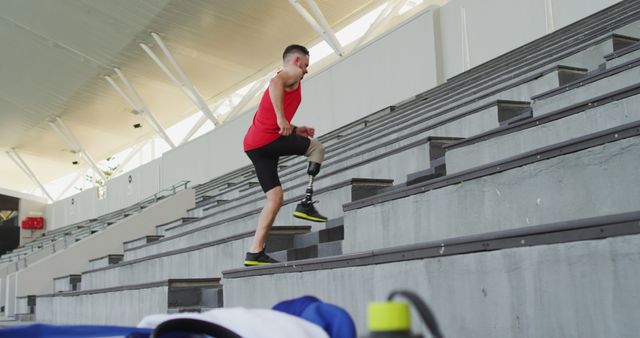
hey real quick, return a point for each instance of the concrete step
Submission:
(623, 55)
(427, 174)
(591, 116)
(568, 74)
(67, 283)
(597, 171)
(596, 84)
(216, 225)
(334, 222)
(25, 308)
(249, 185)
(321, 236)
(591, 58)
(140, 241)
(522, 271)
(104, 261)
(211, 202)
(161, 229)
(203, 260)
(126, 305)
(623, 41)
(326, 249)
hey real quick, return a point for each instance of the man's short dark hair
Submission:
(295, 49)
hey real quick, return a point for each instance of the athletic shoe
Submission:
(306, 210)
(260, 258)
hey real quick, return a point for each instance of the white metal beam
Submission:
(185, 85)
(389, 11)
(317, 13)
(321, 27)
(73, 182)
(196, 126)
(135, 150)
(15, 157)
(59, 127)
(142, 107)
(251, 93)
(548, 14)
(194, 129)
(132, 105)
(466, 58)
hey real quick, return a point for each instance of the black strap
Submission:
(424, 311)
(192, 326)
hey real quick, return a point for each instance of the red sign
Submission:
(33, 223)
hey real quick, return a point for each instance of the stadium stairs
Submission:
(507, 197)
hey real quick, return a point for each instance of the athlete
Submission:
(272, 135)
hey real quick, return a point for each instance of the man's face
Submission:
(302, 62)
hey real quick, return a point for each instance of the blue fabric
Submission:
(52, 331)
(295, 306)
(335, 321)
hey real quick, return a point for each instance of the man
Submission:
(272, 135)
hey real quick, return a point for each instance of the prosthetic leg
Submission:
(305, 209)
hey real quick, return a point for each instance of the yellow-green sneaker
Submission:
(259, 258)
(306, 210)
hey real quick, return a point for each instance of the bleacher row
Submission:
(507, 197)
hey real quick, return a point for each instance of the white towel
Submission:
(248, 323)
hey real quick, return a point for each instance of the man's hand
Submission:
(305, 131)
(285, 127)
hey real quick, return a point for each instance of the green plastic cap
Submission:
(389, 316)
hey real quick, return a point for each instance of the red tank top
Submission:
(264, 128)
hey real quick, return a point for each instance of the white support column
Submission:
(466, 59)
(321, 27)
(390, 10)
(548, 11)
(185, 85)
(253, 91)
(15, 157)
(59, 127)
(139, 105)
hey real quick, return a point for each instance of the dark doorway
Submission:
(9, 227)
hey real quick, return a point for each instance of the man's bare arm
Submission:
(287, 78)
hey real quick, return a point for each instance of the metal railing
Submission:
(97, 224)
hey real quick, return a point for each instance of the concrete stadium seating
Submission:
(506, 197)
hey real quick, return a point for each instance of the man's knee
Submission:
(316, 151)
(275, 196)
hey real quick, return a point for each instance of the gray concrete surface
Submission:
(586, 92)
(623, 59)
(330, 205)
(598, 181)
(579, 289)
(37, 278)
(498, 148)
(123, 308)
(592, 57)
(333, 201)
(206, 262)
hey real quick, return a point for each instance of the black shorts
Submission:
(265, 159)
